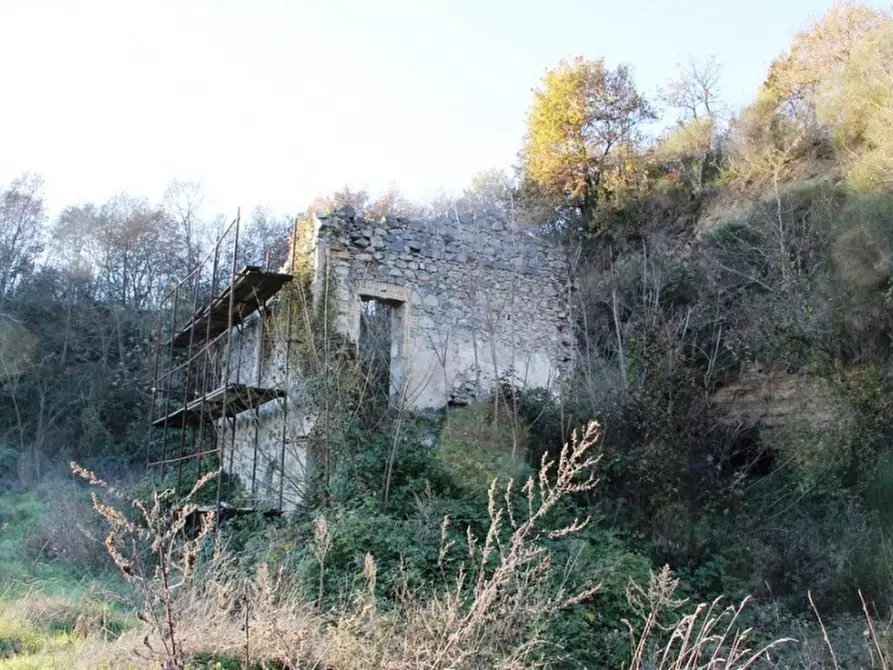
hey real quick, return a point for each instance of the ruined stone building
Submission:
(472, 300)
(468, 301)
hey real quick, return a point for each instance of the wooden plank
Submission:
(224, 401)
(250, 289)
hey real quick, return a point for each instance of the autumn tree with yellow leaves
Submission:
(857, 104)
(831, 89)
(582, 132)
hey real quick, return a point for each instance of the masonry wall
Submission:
(474, 300)
(479, 299)
(274, 433)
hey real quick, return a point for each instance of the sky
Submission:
(274, 101)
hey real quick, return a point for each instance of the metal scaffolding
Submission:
(197, 392)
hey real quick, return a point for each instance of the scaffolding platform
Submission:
(250, 289)
(237, 398)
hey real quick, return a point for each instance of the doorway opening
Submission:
(380, 348)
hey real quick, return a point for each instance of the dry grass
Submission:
(156, 553)
(487, 616)
(491, 614)
(267, 621)
(708, 638)
(866, 643)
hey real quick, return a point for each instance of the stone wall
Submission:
(473, 299)
(477, 299)
(274, 433)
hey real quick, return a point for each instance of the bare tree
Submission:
(393, 202)
(130, 249)
(182, 202)
(140, 251)
(696, 88)
(265, 239)
(22, 230)
(74, 245)
(693, 142)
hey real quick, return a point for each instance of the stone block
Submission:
(347, 212)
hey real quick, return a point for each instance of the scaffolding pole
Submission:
(194, 391)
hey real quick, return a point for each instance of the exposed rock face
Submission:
(473, 299)
(772, 400)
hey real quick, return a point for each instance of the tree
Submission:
(356, 199)
(140, 249)
(22, 230)
(265, 241)
(765, 142)
(827, 86)
(132, 250)
(390, 202)
(582, 117)
(488, 189)
(695, 90)
(799, 78)
(74, 245)
(182, 203)
(858, 105)
(692, 145)
(394, 203)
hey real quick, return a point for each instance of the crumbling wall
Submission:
(479, 299)
(474, 300)
(275, 433)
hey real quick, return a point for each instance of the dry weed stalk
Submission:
(261, 617)
(871, 633)
(872, 639)
(498, 614)
(322, 544)
(491, 614)
(158, 535)
(701, 640)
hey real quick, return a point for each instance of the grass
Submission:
(39, 631)
(476, 448)
(19, 514)
(493, 617)
(49, 605)
(491, 614)
(43, 546)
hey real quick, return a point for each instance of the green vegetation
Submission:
(475, 448)
(41, 545)
(733, 331)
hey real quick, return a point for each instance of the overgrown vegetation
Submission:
(733, 333)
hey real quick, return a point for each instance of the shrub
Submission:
(66, 530)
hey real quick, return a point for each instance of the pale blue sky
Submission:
(274, 101)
